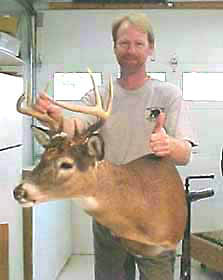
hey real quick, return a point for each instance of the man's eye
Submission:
(123, 44)
(140, 44)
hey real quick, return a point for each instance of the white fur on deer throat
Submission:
(87, 203)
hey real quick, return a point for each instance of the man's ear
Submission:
(151, 50)
(114, 46)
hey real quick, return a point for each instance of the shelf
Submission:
(7, 59)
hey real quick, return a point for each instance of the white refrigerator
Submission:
(11, 88)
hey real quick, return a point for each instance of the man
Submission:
(129, 133)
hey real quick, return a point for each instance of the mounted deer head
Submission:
(142, 202)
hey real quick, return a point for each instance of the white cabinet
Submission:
(10, 170)
(10, 210)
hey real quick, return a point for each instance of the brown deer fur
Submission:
(142, 202)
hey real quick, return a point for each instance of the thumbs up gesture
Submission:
(159, 141)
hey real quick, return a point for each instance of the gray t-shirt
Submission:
(127, 131)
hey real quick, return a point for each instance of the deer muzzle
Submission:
(21, 195)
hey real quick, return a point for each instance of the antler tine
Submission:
(96, 110)
(30, 111)
(97, 95)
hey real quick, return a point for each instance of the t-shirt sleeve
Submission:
(178, 123)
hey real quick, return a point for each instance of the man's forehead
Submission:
(127, 25)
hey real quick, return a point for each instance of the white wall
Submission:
(75, 40)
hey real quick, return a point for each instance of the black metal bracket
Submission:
(191, 196)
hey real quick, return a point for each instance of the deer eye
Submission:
(66, 165)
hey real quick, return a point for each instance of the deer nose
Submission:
(19, 193)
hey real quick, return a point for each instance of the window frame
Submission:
(65, 99)
(203, 99)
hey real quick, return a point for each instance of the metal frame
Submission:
(28, 6)
(191, 196)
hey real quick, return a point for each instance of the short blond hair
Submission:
(141, 21)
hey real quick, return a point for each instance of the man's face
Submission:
(132, 47)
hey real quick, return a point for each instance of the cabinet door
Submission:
(10, 120)
(4, 254)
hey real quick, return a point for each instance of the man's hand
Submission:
(159, 140)
(163, 145)
(71, 126)
(44, 105)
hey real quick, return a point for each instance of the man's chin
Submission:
(130, 68)
(130, 62)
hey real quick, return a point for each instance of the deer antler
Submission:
(43, 117)
(96, 110)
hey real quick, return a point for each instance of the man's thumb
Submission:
(160, 121)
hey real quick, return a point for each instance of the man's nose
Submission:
(131, 48)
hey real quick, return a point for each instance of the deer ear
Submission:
(96, 147)
(41, 135)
